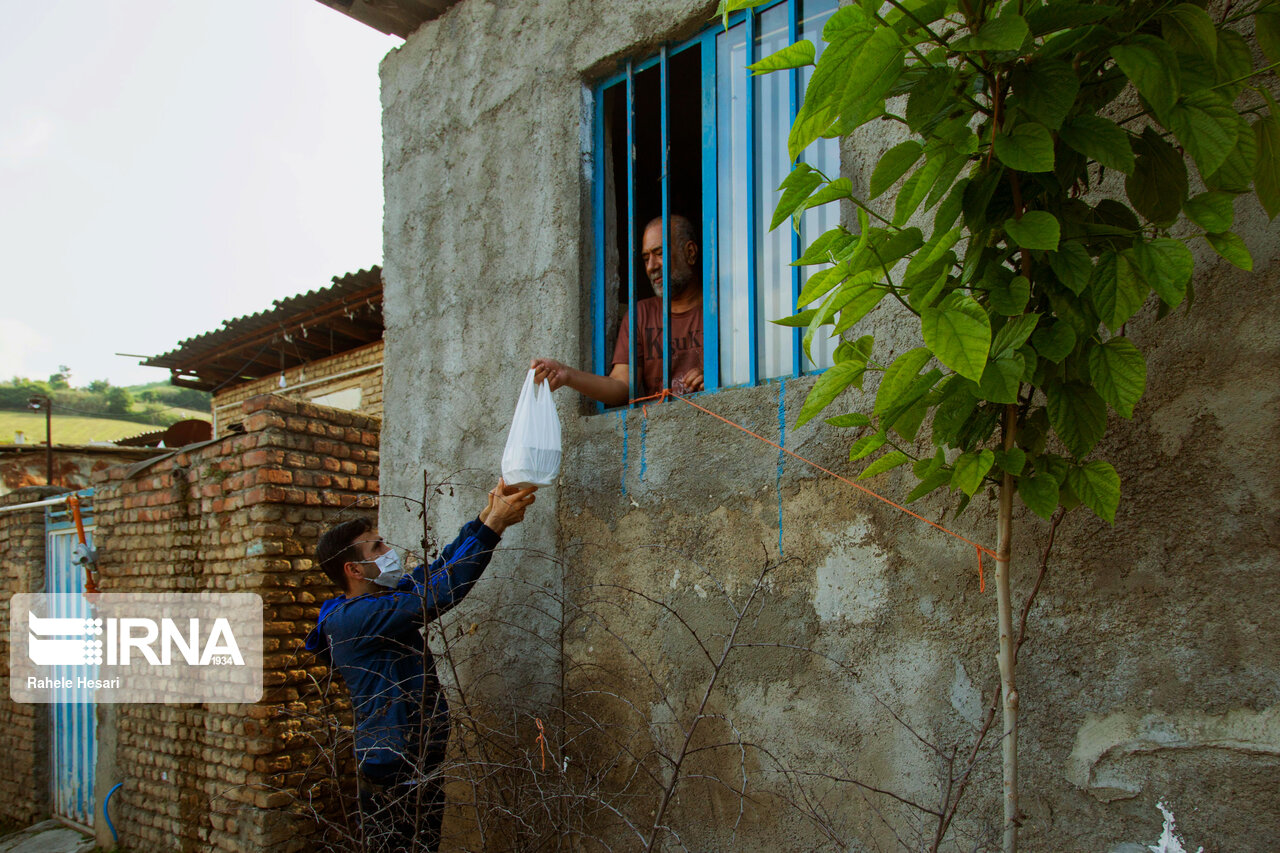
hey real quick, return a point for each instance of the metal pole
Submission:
(48, 440)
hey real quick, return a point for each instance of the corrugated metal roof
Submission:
(296, 330)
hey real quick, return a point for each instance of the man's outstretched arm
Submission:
(460, 565)
(612, 390)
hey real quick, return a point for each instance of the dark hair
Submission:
(337, 547)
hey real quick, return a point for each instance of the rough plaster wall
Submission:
(1152, 668)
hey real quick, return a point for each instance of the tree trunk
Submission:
(1008, 689)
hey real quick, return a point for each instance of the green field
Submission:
(70, 429)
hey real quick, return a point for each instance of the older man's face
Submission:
(679, 269)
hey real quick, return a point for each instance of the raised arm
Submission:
(612, 390)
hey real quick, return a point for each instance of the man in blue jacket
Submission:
(373, 634)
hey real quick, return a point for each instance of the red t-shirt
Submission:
(686, 343)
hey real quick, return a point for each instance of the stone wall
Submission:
(1151, 671)
(24, 729)
(350, 380)
(242, 514)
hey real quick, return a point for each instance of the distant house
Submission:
(324, 346)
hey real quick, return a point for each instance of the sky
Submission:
(169, 164)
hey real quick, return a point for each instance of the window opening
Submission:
(725, 135)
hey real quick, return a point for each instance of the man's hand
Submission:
(688, 383)
(506, 506)
(556, 374)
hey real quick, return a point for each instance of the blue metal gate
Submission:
(74, 719)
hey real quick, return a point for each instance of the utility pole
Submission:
(36, 401)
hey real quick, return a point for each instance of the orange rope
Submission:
(981, 549)
(541, 740)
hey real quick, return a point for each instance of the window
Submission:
(690, 131)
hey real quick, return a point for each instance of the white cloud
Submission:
(25, 142)
(19, 346)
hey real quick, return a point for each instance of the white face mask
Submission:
(389, 569)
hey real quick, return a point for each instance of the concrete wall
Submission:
(350, 380)
(1151, 670)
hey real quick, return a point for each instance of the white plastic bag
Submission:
(532, 455)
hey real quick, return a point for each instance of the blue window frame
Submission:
(691, 131)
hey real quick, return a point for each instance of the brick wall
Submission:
(239, 515)
(24, 729)
(309, 381)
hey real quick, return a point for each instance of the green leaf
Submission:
(970, 468)
(1000, 379)
(884, 249)
(846, 33)
(1152, 65)
(853, 419)
(1211, 211)
(929, 484)
(1010, 297)
(1011, 461)
(1054, 342)
(1073, 266)
(1236, 174)
(1026, 148)
(858, 66)
(899, 376)
(1118, 289)
(957, 403)
(1231, 247)
(1014, 334)
(1119, 374)
(1078, 415)
(832, 381)
(837, 190)
(797, 186)
(1098, 486)
(893, 165)
(1006, 32)
(1167, 265)
(1158, 184)
(885, 463)
(959, 334)
(1235, 62)
(1190, 30)
(820, 283)
(867, 297)
(1040, 494)
(1267, 29)
(914, 189)
(827, 248)
(1054, 17)
(1205, 124)
(1046, 91)
(727, 7)
(1266, 175)
(1037, 229)
(866, 445)
(797, 320)
(1099, 139)
(796, 55)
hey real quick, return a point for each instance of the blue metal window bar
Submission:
(707, 43)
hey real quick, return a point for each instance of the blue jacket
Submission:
(376, 642)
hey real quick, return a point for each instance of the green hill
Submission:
(69, 429)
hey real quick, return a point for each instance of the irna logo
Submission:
(54, 641)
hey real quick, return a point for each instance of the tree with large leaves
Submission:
(995, 225)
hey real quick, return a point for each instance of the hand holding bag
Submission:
(532, 454)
